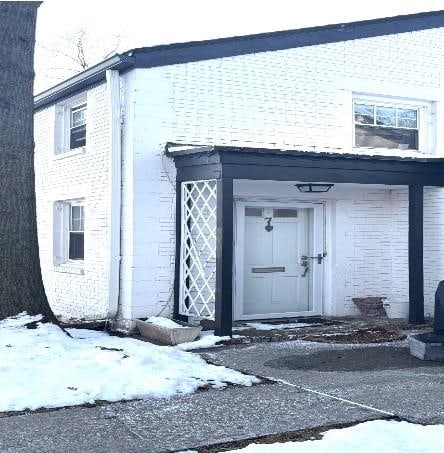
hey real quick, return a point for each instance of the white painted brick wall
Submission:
(298, 98)
(79, 176)
(363, 260)
(399, 230)
(433, 244)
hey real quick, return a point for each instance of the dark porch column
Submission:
(416, 260)
(224, 258)
(176, 314)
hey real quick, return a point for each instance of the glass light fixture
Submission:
(312, 187)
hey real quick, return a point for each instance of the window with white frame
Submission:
(71, 125)
(76, 235)
(69, 232)
(390, 124)
(77, 126)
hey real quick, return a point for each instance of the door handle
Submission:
(304, 259)
(319, 257)
(304, 263)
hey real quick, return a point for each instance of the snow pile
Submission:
(369, 437)
(43, 367)
(265, 326)
(164, 322)
(207, 339)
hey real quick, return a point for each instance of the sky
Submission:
(112, 25)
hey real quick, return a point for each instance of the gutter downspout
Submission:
(114, 181)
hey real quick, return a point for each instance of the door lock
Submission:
(305, 258)
(319, 257)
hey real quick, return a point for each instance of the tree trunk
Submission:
(21, 286)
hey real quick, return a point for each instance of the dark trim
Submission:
(224, 258)
(164, 55)
(416, 259)
(267, 42)
(278, 165)
(199, 173)
(176, 314)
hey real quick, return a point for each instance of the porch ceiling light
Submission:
(314, 187)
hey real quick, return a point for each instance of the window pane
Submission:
(284, 212)
(407, 118)
(76, 246)
(386, 137)
(253, 212)
(385, 121)
(77, 218)
(386, 111)
(364, 109)
(386, 116)
(364, 114)
(77, 137)
(364, 119)
(406, 122)
(78, 116)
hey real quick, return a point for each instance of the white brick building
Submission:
(359, 106)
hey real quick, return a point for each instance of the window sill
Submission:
(69, 153)
(68, 268)
(388, 151)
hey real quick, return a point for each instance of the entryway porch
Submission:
(224, 193)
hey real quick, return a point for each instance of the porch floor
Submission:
(325, 330)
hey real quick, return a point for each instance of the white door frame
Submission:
(317, 245)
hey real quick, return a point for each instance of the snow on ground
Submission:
(43, 367)
(164, 322)
(369, 437)
(265, 326)
(207, 339)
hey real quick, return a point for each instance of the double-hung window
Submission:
(69, 232)
(71, 125)
(381, 125)
(76, 235)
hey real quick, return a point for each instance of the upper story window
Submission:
(77, 127)
(379, 125)
(71, 125)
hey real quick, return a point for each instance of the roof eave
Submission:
(81, 81)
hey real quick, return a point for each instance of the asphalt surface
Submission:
(326, 389)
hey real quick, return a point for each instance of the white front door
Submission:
(279, 242)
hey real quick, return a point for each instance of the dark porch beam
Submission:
(306, 171)
(303, 166)
(416, 256)
(224, 258)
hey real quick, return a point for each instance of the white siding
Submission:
(85, 175)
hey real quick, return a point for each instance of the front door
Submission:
(278, 261)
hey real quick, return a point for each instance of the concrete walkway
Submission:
(311, 394)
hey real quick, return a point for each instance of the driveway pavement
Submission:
(319, 385)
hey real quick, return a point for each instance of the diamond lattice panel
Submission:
(198, 249)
